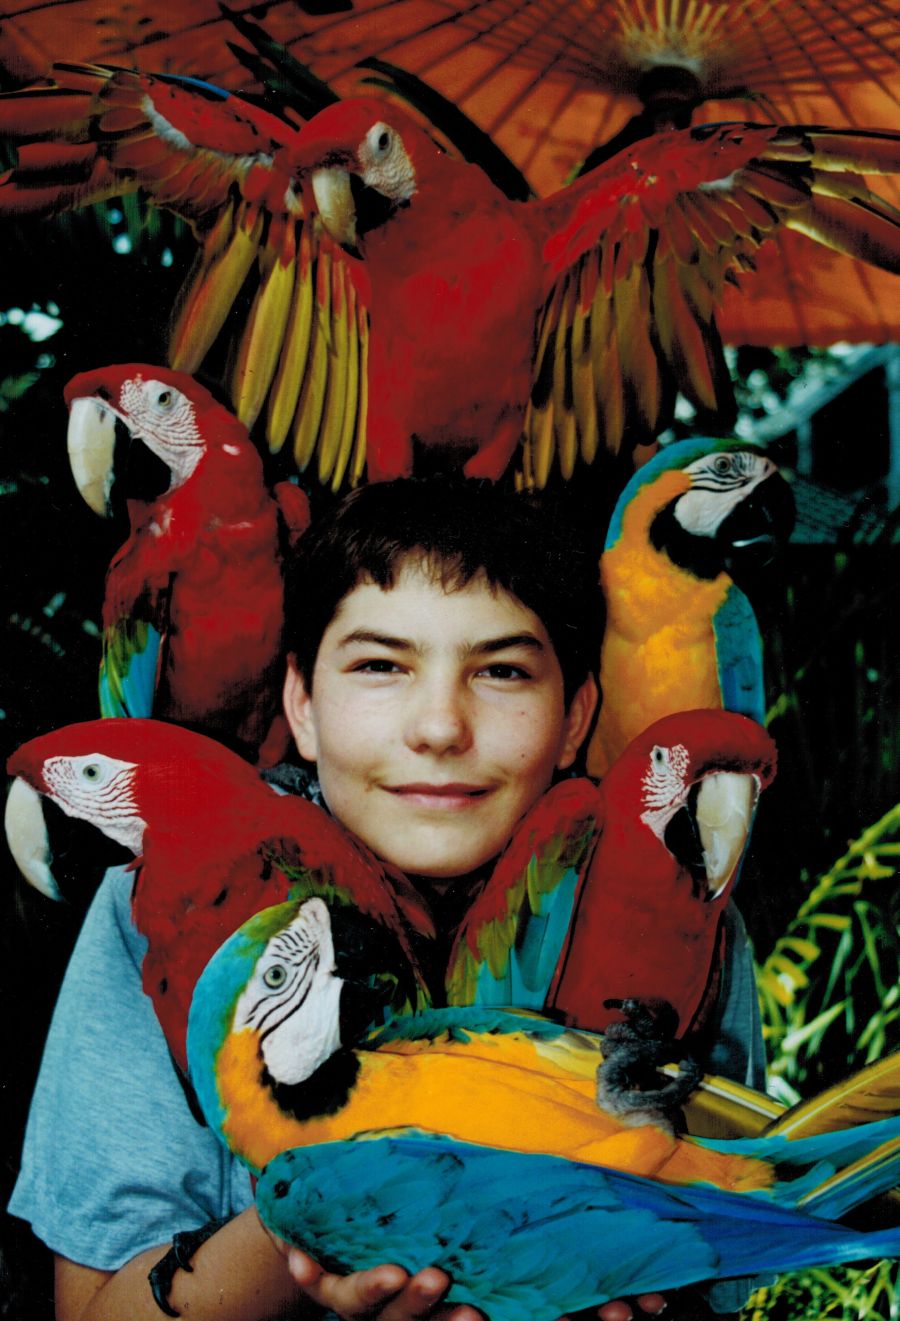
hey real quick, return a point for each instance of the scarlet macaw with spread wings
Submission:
(421, 307)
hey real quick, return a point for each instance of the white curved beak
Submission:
(26, 834)
(334, 202)
(91, 441)
(724, 814)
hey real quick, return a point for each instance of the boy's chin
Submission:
(437, 872)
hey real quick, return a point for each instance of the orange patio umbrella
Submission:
(550, 80)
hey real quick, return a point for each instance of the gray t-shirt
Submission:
(114, 1162)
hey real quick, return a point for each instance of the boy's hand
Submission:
(387, 1292)
(623, 1309)
(679, 1305)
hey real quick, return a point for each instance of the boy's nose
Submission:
(439, 721)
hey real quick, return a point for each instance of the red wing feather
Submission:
(225, 166)
(637, 256)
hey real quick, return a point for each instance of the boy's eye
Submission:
(377, 665)
(504, 670)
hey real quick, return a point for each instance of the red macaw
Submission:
(507, 946)
(574, 316)
(678, 805)
(214, 844)
(617, 893)
(193, 613)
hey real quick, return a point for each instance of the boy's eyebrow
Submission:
(370, 638)
(487, 646)
(490, 645)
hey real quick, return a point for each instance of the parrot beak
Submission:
(724, 813)
(334, 201)
(91, 442)
(29, 842)
(758, 528)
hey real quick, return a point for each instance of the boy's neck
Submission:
(449, 899)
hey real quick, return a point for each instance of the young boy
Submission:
(444, 642)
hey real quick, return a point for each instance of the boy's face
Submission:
(436, 719)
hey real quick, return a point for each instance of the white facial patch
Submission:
(719, 482)
(384, 164)
(164, 419)
(663, 786)
(98, 789)
(292, 999)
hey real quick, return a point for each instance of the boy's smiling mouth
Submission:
(445, 797)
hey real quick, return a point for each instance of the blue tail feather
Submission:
(536, 1235)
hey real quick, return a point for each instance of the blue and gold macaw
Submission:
(537, 1236)
(472, 1138)
(679, 633)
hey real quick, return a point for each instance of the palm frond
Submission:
(829, 992)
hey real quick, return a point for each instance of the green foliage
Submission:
(842, 1294)
(830, 988)
(830, 1000)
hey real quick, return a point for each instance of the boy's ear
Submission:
(577, 722)
(298, 712)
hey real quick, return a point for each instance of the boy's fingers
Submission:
(356, 1295)
(418, 1298)
(623, 1309)
(615, 1310)
(653, 1303)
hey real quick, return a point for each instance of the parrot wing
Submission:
(739, 656)
(637, 254)
(530, 1234)
(508, 944)
(225, 166)
(866, 1095)
(135, 625)
(130, 664)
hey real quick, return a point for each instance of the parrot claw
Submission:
(628, 1082)
(184, 1245)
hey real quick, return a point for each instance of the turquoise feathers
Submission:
(533, 1237)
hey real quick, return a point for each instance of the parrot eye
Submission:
(659, 757)
(91, 771)
(381, 139)
(165, 399)
(275, 976)
(722, 464)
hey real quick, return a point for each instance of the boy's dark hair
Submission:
(460, 528)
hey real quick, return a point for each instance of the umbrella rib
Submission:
(827, 83)
(540, 73)
(766, 48)
(862, 62)
(816, 66)
(508, 20)
(395, 43)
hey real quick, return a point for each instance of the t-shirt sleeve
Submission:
(114, 1162)
(737, 1051)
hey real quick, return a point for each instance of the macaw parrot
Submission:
(213, 844)
(625, 887)
(475, 1091)
(508, 943)
(193, 612)
(679, 633)
(539, 1236)
(586, 309)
